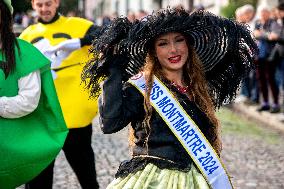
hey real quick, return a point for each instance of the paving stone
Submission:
(252, 163)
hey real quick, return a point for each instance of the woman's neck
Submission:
(175, 76)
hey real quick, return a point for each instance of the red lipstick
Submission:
(174, 59)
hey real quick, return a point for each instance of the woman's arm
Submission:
(110, 102)
(118, 106)
(27, 99)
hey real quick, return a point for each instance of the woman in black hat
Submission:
(187, 65)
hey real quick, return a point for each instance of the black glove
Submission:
(116, 64)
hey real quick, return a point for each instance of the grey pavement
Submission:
(251, 162)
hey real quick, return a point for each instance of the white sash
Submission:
(186, 131)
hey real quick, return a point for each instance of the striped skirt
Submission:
(151, 177)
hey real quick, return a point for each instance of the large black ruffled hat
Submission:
(225, 48)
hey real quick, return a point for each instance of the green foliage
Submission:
(21, 6)
(229, 10)
(68, 5)
(65, 5)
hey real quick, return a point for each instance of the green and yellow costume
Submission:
(77, 109)
(29, 143)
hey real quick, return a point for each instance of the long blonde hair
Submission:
(198, 91)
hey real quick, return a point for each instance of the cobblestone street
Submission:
(251, 162)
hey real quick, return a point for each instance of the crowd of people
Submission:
(265, 85)
(162, 74)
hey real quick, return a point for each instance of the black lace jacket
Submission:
(121, 104)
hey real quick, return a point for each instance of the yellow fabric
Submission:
(77, 109)
(151, 177)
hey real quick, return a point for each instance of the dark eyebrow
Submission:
(161, 39)
(179, 36)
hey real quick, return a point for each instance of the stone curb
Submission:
(261, 118)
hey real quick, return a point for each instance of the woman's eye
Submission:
(162, 44)
(180, 40)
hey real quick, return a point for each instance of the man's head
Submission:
(280, 8)
(248, 12)
(264, 13)
(46, 9)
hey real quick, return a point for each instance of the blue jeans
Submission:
(249, 87)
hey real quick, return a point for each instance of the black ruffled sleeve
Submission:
(119, 104)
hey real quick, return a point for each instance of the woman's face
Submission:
(172, 51)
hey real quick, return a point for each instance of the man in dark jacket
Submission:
(265, 68)
(278, 51)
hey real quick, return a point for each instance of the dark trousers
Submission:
(79, 153)
(266, 77)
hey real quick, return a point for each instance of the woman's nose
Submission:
(173, 47)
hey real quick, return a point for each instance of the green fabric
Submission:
(8, 3)
(152, 177)
(30, 143)
(28, 60)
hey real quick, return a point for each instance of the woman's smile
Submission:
(175, 59)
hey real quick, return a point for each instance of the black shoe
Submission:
(275, 109)
(263, 108)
